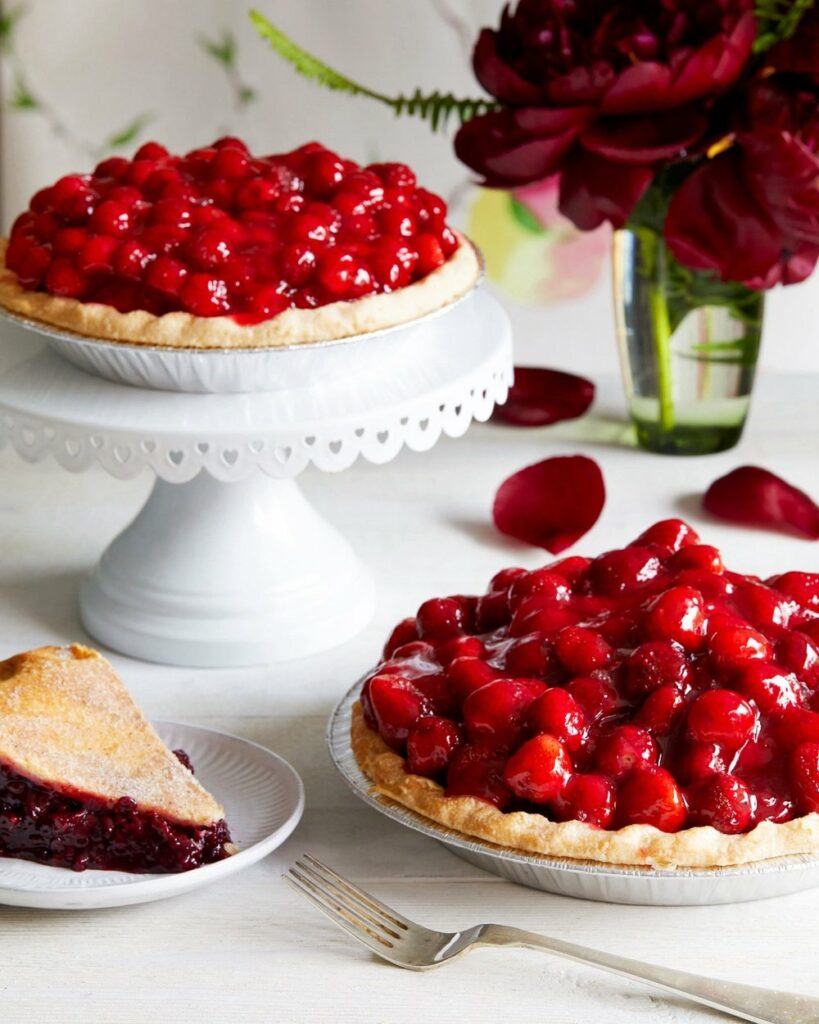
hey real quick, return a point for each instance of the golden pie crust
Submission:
(67, 721)
(332, 322)
(633, 846)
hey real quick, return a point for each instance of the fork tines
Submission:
(354, 910)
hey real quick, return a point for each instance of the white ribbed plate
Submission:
(603, 882)
(263, 799)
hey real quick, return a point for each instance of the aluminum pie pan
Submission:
(581, 880)
(241, 370)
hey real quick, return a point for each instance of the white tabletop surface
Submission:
(250, 949)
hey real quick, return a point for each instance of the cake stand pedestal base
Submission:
(212, 573)
(228, 564)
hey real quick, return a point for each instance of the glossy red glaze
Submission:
(222, 232)
(647, 686)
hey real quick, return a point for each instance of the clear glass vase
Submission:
(688, 347)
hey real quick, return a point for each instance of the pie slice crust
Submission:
(85, 781)
(633, 846)
(332, 322)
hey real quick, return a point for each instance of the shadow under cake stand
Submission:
(228, 563)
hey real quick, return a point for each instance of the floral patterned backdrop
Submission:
(83, 78)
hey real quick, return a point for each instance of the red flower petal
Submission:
(755, 497)
(552, 503)
(516, 147)
(497, 76)
(645, 140)
(714, 223)
(639, 88)
(594, 190)
(716, 65)
(539, 397)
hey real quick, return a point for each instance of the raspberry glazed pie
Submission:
(223, 249)
(643, 708)
(85, 782)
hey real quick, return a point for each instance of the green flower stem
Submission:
(661, 322)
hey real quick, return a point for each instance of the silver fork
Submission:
(411, 945)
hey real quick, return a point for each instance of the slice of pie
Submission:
(85, 782)
(646, 707)
(223, 249)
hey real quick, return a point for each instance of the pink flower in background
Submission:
(534, 253)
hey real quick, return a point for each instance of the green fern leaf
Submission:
(434, 107)
(305, 63)
(128, 133)
(223, 50)
(8, 19)
(21, 98)
(778, 20)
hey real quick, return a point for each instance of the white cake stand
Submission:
(227, 563)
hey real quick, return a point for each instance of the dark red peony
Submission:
(751, 213)
(603, 93)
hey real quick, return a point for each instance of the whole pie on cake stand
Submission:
(232, 274)
(644, 723)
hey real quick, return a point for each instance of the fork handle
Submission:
(759, 1005)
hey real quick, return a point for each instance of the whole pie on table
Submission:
(645, 707)
(85, 782)
(223, 249)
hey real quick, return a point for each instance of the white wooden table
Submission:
(250, 949)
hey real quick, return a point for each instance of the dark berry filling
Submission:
(220, 232)
(646, 686)
(70, 829)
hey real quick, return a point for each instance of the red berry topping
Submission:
(700, 761)
(623, 749)
(805, 773)
(678, 615)
(673, 534)
(581, 650)
(530, 656)
(618, 572)
(590, 798)
(769, 687)
(478, 773)
(558, 713)
(461, 647)
(661, 711)
(721, 716)
(431, 744)
(254, 236)
(802, 586)
(64, 278)
(797, 725)
(549, 587)
(95, 254)
(722, 801)
(656, 664)
(495, 714)
(397, 705)
(204, 295)
(468, 674)
(539, 770)
(732, 646)
(800, 654)
(596, 697)
(441, 618)
(650, 796)
(648, 686)
(702, 557)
